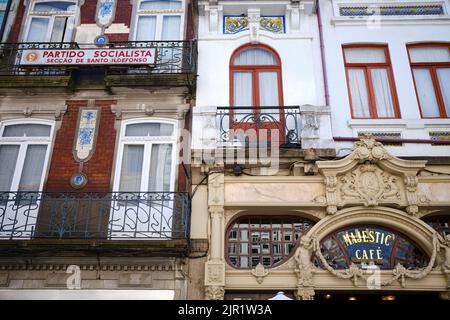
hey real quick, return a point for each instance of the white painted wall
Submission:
(396, 33)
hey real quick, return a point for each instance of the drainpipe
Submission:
(5, 18)
(322, 56)
(393, 140)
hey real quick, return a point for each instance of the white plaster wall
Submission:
(396, 33)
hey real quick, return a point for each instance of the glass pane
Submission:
(27, 130)
(8, 159)
(382, 92)
(2, 15)
(364, 55)
(55, 6)
(146, 28)
(255, 56)
(148, 129)
(268, 95)
(429, 54)
(444, 83)
(426, 93)
(59, 29)
(160, 168)
(171, 28)
(160, 4)
(242, 89)
(38, 30)
(131, 173)
(358, 93)
(32, 168)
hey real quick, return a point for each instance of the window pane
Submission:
(364, 55)
(160, 168)
(444, 82)
(38, 30)
(429, 54)
(8, 159)
(358, 93)
(27, 130)
(268, 93)
(131, 174)
(149, 129)
(242, 89)
(146, 28)
(32, 168)
(255, 56)
(171, 28)
(59, 29)
(425, 92)
(160, 4)
(54, 6)
(382, 92)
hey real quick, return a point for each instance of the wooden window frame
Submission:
(367, 67)
(431, 67)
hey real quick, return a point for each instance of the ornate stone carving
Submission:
(445, 245)
(260, 273)
(216, 189)
(367, 149)
(214, 292)
(215, 273)
(304, 269)
(304, 293)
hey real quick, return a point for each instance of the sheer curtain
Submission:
(8, 160)
(426, 93)
(59, 28)
(146, 28)
(171, 28)
(268, 93)
(160, 168)
(131, 173)
(32, 168)
(382, 92)
(255, 57)
(364, 55)
(444, 82)
(242, 93)
(358, 93)
(429, 54)
(38, 29)
(148, 129)
(160, 4)
(27, 130)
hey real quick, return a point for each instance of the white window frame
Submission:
(159, 14)
(51, 15)
(147, 141)
(23, 143)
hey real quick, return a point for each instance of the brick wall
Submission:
(16, 28)
(119, 37)
(87, 11)
(123, 12)
(99, 168)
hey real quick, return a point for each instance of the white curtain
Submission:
(429, 54)
(171, 28)
(364, 55)
(426, 93)
(27, 130)
(59, 27)
(268, 93)
(148, 129)
(160, 4)
(160, 168)
(131, 173)
(54, 6)
(242, 93)
(146, 28)
(444, 82)
(32, 168)
(382, 92)
(38, 29)
(8, 160)
(255, 57)
(358, 92)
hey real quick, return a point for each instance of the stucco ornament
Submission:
(214, 292)
(304, 269)
(446, 247)
(259, 272)
(370, 176)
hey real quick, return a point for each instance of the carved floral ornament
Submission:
(370, 176)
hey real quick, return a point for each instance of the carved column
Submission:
(215, 266)
(253, 24)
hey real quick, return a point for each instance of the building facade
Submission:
(95, 96)
(320, 152)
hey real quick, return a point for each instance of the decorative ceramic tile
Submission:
(416, 10)
(86, 134)
(236, 24)
(232, 25)
(440, 135)
(387, 135)
(105, 12)
(273, 24)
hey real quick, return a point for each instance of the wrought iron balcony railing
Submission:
(253, 126)
(114, 215)
(171, 57)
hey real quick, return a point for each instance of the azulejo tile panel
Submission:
(415, 10)
(236, 24)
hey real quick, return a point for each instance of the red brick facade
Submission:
(99, 168)
(118, 37)
(15, 30)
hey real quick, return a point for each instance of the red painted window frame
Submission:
(366, 67)
(431, 66)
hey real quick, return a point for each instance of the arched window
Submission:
(370, 244)
(24, 152)
(51, 21)
(159, 20)
(440, 223)
(146, 157)
(265, 240)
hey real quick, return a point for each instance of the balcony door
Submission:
(256, 90)
(51, 21)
